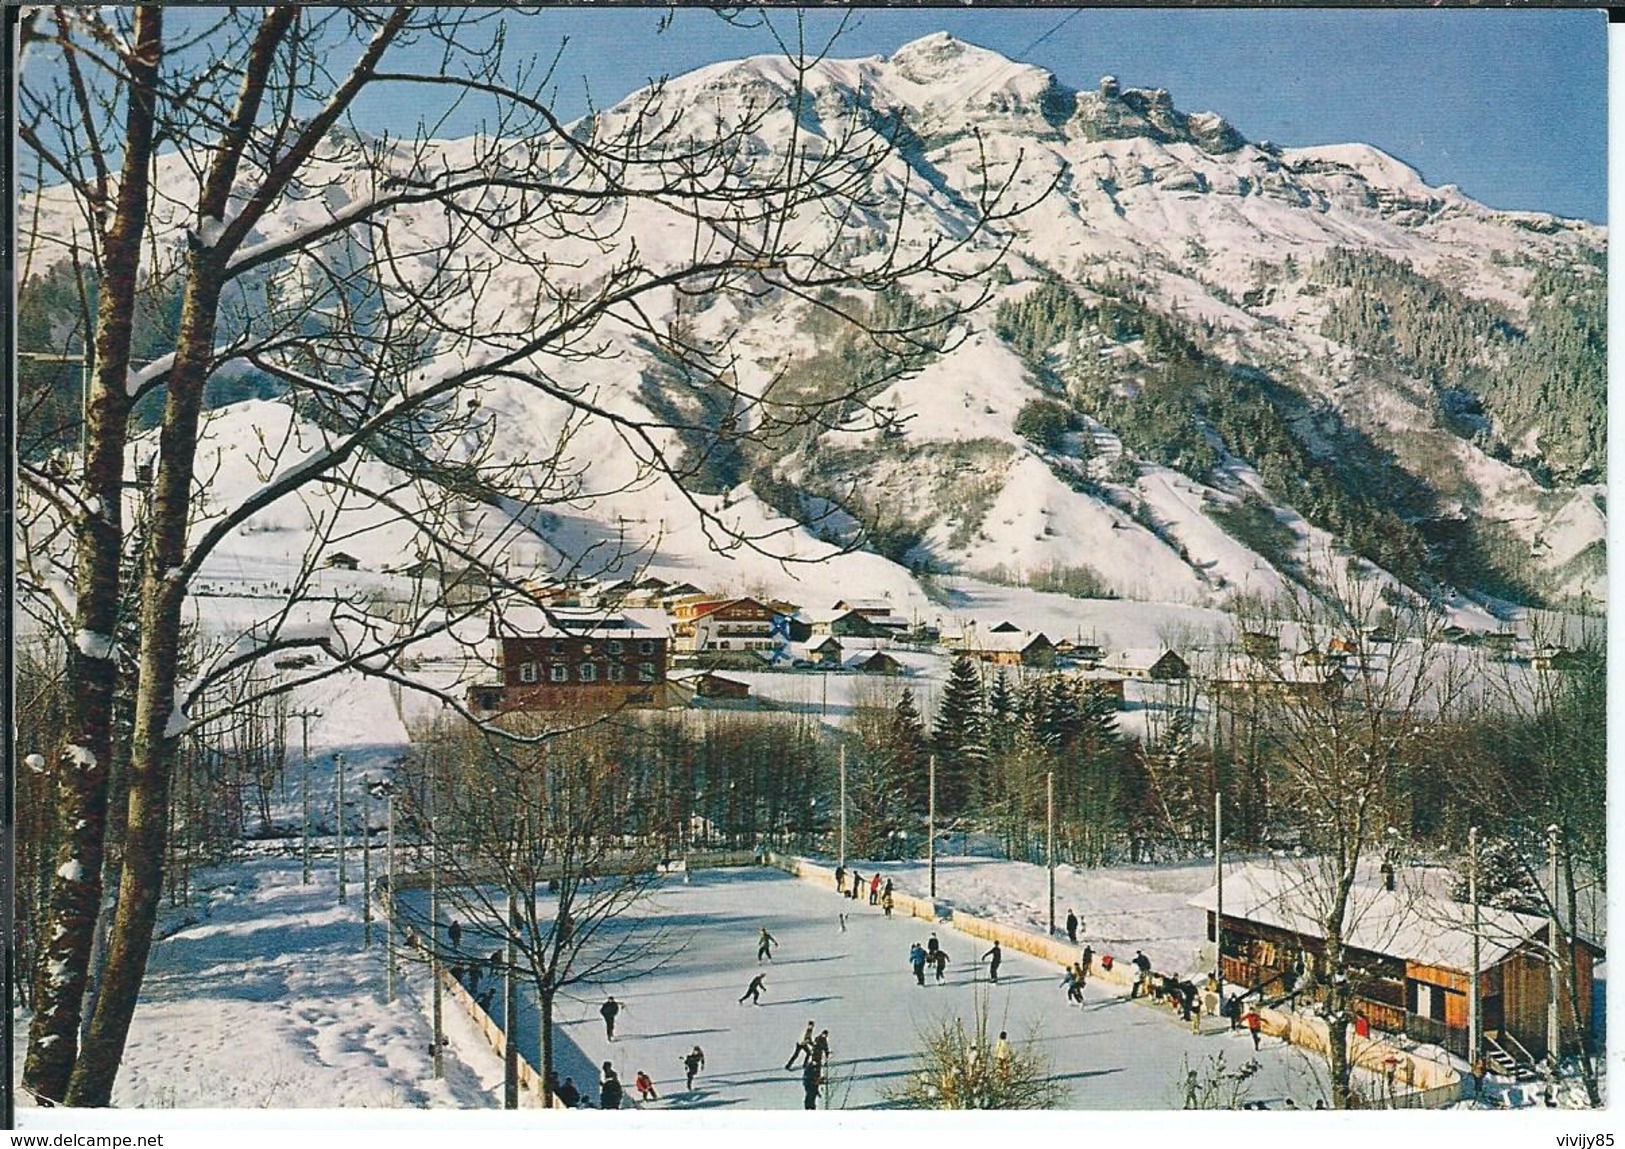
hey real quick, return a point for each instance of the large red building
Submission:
(555, 659)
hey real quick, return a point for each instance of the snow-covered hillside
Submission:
(1131, 197)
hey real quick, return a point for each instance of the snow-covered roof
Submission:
(575, 622)
(1003, 641)
(1401, 923)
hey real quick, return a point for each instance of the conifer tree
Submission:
(960, 739)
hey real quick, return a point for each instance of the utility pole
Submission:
(366, 862)
(434, 919)
(1475, 1014)
(510, 1009)
(1554, 1038)
(304, 717)
(389, 845)
(931, 822)
(1218, 882)
(843, 807)
(1049, 842)
(338, 766)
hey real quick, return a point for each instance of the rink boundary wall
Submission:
(907, 905)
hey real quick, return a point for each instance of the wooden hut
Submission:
(1409, 956)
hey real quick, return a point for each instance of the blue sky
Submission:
(1510, 105)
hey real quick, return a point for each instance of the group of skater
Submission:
(611, 1093)
(880, 893)
(610, 1090)
(814, 1054)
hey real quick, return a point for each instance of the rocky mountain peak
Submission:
(1112, 112)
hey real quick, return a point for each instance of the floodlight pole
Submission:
(1218, 882)
(1554, 1036)
(389, 844)
(931, 822)
(434, 920)
(366, 862)
(1049, 842)
(338, 766)
(843, 808)
(1475, 1005)
(304, 717)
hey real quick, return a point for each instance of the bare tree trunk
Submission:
(62, 968)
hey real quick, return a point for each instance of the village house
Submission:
(1409, 957)
(740, 624)
(1156, 664)
(555, 659)
(873, 662)
(1105, 683)
(825, 652)
(1281, 677)
(1007, 648)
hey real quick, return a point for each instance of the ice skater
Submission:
(916, 958)
(692, 1064)
(843, 921)
(840, 879)
(993, 969)
(1074, 991)
(1254, 1025)
(609, 1088)
(940, 960)
(1072, 927)
(820, 1049)
(765, 944)
(758, 985)
(811, 1079)
(646, 1087)
(803, 1047)
(610, 1010)
(874, 890)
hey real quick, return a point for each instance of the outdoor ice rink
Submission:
(1111, 1053)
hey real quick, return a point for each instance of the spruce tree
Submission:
(909, 747)
(960, 739)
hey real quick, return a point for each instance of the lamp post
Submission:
(1049, 842)
(843, 807)
(366, 862)
(386, 791)
(1475, 1009)
(1218, 882)
(338, 766)
(931, 822)
(304, 717)
(434, 920)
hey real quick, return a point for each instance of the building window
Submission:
(646, 647)
(558, 672)
(617, 672)
(527, 672)
(557, 647)
(589, 672)
(615, 646)
(646, 672)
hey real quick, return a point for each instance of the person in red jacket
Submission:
(646, 1087)
(1253, 1023)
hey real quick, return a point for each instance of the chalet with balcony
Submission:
(701, 625)
(1409, 956)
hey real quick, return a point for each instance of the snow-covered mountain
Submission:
(1254, 356)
